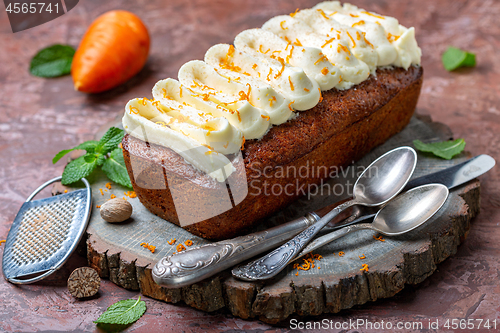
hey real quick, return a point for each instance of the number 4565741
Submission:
(31, 8)
(470, 324)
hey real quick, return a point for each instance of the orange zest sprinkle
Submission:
(352, 39)
(196, 84)
(2, 241)
(295, 12)
(281, 25)
(320, 96)
(365, 268)
(102, 193)
(271, 100)
(172, 241)
(379, 238)
(358, 35)
(340, 78)
(392, 38)
(297, 42)
(282, 67)
(328, 42)
(341, 253)
(265, 117)
(333, 13)
(245, 96)
(226, 145)
(343, 48)
(324, 71)
(305, 89)
(144, 99)
(323, 13)
(308, 260)
(108, 186)
(133, 110)
(254, 65)
(270, 72)
(188, 242)
(377, 16)
(358, 23)
(353, 15)
(291, 83)
(366, 41)
(130, 194)
(180, 91)
(290, 55)
(149, 247)
(112, 196)
(260, 50)
(290, 105)
(180, 248)
(229, 65)
(362, 256)
(286, 39)
(323, 57)
(98, 206)
(208, 152)
(243, 143)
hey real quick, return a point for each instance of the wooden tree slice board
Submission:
(114, 250)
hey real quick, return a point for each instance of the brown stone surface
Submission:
(39, 117)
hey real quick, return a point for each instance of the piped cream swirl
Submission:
(238, 92)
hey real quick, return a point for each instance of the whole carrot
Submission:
(114, 48)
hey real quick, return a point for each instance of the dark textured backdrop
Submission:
(39, 117)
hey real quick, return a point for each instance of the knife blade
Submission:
(450, 177)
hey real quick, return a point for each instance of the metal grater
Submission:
(45, 233)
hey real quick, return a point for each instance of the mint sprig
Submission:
(444, 149)
(104, 153)
(52, 61)
(123, 312)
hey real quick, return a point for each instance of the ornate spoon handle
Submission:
(274, 262)
(193, 265)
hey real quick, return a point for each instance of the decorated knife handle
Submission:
(274, 262)
(193, 265)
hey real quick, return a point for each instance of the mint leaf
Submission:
(79, 168)
(114, 167)
(60, 154)
(52, 61)
(89, 146)
(444, 149)
(123, 312)
(110, 140)
(454, 58)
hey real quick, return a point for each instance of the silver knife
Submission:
(194, 265)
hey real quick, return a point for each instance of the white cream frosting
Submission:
(239, 92)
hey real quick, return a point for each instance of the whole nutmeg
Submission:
(116, 210)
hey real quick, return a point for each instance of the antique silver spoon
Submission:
(402, 214)
(378, 184)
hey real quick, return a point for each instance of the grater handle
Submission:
(53, 180)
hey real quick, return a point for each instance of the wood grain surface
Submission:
(39, 117)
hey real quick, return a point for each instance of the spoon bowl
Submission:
(402, 214)
(410, 209)
(385, 177)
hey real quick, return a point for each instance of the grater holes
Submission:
(43, 229)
